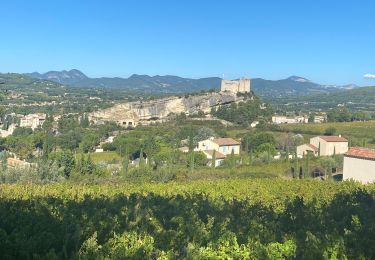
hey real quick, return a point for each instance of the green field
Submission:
(222, 219)
(104, 157)
(347, 129)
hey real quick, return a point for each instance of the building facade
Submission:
(359, 165)
(324, 146)
(32, 121)
(290, 120)
(236, 86)
(218, 148)
(222, 145)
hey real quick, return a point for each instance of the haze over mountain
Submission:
(292, 86)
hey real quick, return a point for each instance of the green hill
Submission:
(354, 99)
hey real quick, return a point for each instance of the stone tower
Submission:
(236, 86)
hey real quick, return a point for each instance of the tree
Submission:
(254, 141)
(307, 166)
(296, 166)
(330, 131)
(191, 153)
(66, 161)
(213, 160)
(319, 149)
(125, 163)
(84, 121)
(203, 134)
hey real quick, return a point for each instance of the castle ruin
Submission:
(236, 86)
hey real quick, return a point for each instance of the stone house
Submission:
(32, 121)
(324, 146)
(359, 165)
(219, 157)
(221, 146)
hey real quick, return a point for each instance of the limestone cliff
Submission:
(133, 113)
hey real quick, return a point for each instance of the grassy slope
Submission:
(347, 129)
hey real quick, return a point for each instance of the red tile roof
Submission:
(218, 155)
(312, 147)
(333, 138)
(225, 141)
(361, 152)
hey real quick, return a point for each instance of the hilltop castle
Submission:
(236, 86)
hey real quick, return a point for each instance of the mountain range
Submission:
(268, 89)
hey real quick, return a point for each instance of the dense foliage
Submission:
(256, 219)
(244, 113)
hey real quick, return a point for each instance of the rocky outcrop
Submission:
(144, 111)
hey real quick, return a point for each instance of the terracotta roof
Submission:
(225, 141)
(312, 147)
(333, 138)
(362, 153)
(218, 155)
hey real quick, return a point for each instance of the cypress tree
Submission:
(141, 159)
(125, 164)
(191, 153)
(307, 169)
(296, 166)
(213, 160)
(319, 149)
(251, 156)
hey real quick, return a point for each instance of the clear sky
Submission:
(327, 41)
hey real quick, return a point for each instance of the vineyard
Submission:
(221, 219)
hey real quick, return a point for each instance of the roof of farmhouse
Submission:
(225, 141)
(218, 155)
(361, 153)
(333, 138)
(312, 147)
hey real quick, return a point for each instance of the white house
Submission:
(222, 145)
(359, 165)
(307, 148)
(219, 157)
(290, 120)
(33, 120)
(324, 146)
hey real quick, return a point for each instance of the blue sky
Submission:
(327, 41)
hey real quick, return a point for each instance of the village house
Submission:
(318, 119)
(359, 165)
(219, 157)
(304, 149)
(324, 146)
(32, 121)
(290, 120)
(17, 163)
(221, 146)
(6, 133)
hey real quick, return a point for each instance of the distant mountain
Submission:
(268, 89)
(64, 77)
(142, 83)
(291, 87)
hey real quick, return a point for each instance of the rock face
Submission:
(143, 112)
